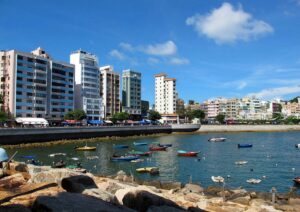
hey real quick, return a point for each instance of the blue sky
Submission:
(214, 48)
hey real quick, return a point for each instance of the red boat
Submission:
(158, 148)
(187, 154)
(297, 180)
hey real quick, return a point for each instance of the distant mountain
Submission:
(295, 99)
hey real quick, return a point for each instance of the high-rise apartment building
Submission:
(131, 92)
(35, 85)
(165, 94)
(110, 90)
(87, 84)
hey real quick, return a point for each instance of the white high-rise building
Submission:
(165, 94)
(87, 84)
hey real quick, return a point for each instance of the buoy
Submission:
(251, 170)
(228, 176)
(264, 176)
(293, 169)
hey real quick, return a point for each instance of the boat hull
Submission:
(185, 127)
(245, 145)
(188, 154)
(158, 148)
(129, 158)
(86, 149)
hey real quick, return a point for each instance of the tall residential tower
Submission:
(87, 88)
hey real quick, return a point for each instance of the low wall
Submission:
(22, 135)
(248, 128)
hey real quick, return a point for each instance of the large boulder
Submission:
(192, 188)
(74, 202)
(14, 208)
(163, 208)
(192, 197)
(141, 200)
(154, 183)
(78, 183)
(171, 185)
(213, 190)
(242, 200)
(52, 176)
(11, 182)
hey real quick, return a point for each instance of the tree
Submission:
(277, 116)
(220, 118)
(76, 114)
(154, 115)
(120, 117)
(3, 116)
(198, 114)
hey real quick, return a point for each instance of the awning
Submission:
(95, 122)
(108, 121)
(39, 121)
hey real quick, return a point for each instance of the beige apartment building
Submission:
(110, 90)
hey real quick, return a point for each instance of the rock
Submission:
(120, 175)
(77, 184)
(128, 179)
(213, 190)
(294, 201)
(100, 194)
(192, 197)
(11, 182)
(192, 188)
(242, 200)
(32, 169)
(14, 208)
(225, 193)
(111, 187)
(194, 209)
(253, 195)
(154, 183)
(141, 200)
(163, 208)
(289, 208)
(74, 202)
(171, 185)
(264, 196)
(52, 176)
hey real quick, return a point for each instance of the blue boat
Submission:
(124, 158)
(139, 144)
(28, 156)
(164, 145)
(121, 146)
(244, 145)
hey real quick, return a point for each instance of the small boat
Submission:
(92, 157)
(139, 153)
(253, 181)
(217, 179)
(241, 162)
(60, 164)
(28, 156)
(220, 139)
(297, 180)
(139, 144)
(165, 145)
(86, 148)
(57, 154)
(124, 158)
(151, 170)
(244, 145)
(158, 148)
(74, 158)
(120, 146)
(297, 146)
(187, 154)
(137, 160)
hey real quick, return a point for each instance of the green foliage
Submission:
(3, 116)
(120, 117)
(76, 114)
(154, 115)
(292, 120)
(1, 99)
(198, 114)
(220, 118)
(277, 116)
(295, 99)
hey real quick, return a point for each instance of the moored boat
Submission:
(253, 181)
(124, 158)
(57, 154)
(245, 145)
(187, 154)
(217, 179)
(241, 162)
(120, 146)
(163, 145)
(150, 170)
(86, 148)
(297, 146)
(297, 180)
(139, 144)
(139, 153)
(60, 164)
(219, 139)
(158, 148)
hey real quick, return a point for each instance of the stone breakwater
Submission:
(42, 188)
(247, 128)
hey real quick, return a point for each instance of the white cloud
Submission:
(127, 46)
(179, 61)
(241, 85)
(160, 49)
(228, 25)
(117, 54)
(153, 61)
(276, 92)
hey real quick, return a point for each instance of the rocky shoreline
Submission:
(42, 188)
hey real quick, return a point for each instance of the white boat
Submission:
(241, 162)
(217, 139)
(217, 179)
(137, 160)
(253, 181)
(297, 146)
(57, 154)
(92, 157)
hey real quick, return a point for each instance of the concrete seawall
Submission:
(21, 135)
(248, 128)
